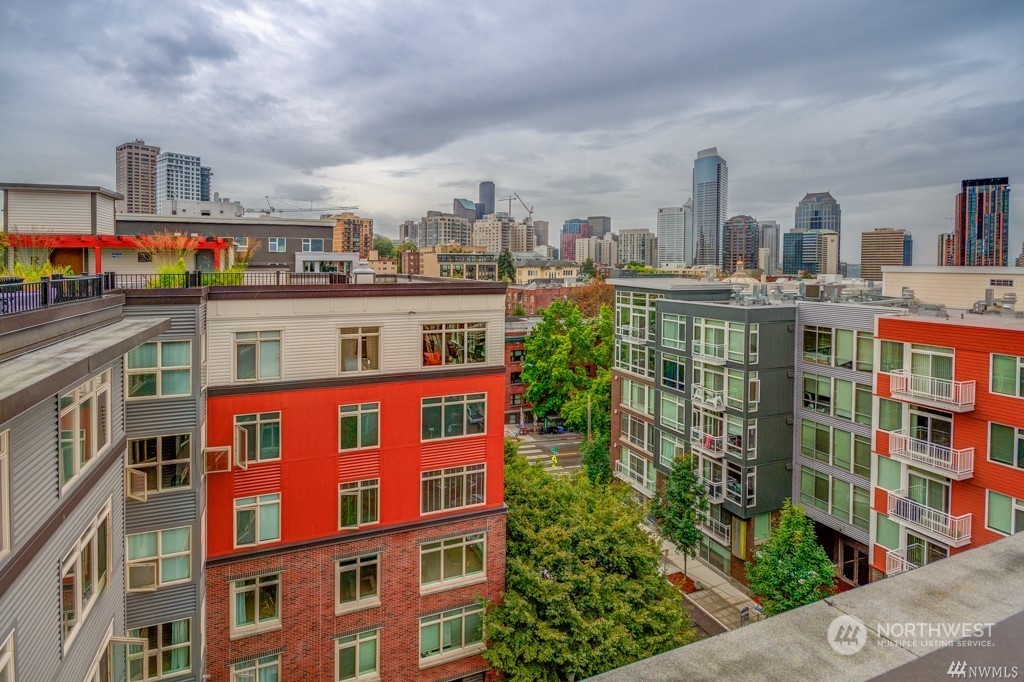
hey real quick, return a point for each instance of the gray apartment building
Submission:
(63, 445)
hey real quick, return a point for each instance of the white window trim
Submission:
(158, 371)
(358, 638)
(465, 401)
(237, 632)
(455, 654)
(356, 489)
(160, 582)
(241, 449)
(991, 375)
(237, 675)
(456, 327)
(370, 408)
(7, 657)
(82, 610)
(443, 477)
(256, 507)
(274, 242)
(258, 342)
(146, 653)
(361, 335)
(1018, 434)
(160, 462)
(359, 603)
(93, 388)
(1015, 503)
(463, 580)
(5, 494)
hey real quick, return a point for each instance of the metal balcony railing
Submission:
(640, 482)
(704, 351)
(708, 397)
(705, 442)
(953, 530)
(718, 530)
(959, 394)
(896, 561)
(716, 490)
(956, 464)
(20, 297)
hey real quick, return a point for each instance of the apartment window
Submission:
(84, 425)
(444, 489)
(673, 415)
(7, 659)
(168, 651)
(673, 331)
(516, 355)
(1006, 445)
(1008, 375)
(452, 561)
(637, 396)
(516, 399)
(258, 436)
(635, 314)
(1004, 514)
(845, 347)
(737, 349)
(257, 355)
(818, 345)
(160, 369)
(762, 527)
(636, 431)
(277, 244)
(356, 581)
(357, 656)
(515, 378)
(256, 605)
(865, 352)
(456, 343)
(451, 631)
(818, 393)
(848, 503)
(671, 448)
(360, 349)
(814, 440)
(84, 572)
(890, 415)
(1000, 282)
(740, 436)
(312, 244)
(5, 496)
(738, 386)
(709, 337)
(257, 519)
(634, 358)
(453, 416)
(358, 426)
(862, 404)
(358, 503)
(166, 461)
(673, 372)
(891, 356)
(752, 345)
(159, 557)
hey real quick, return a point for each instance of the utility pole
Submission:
(588, 418)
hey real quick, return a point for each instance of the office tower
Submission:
(487, 197)
(815, 252)
(818, 211)
(947, 249)
(178, 176)
(1020, 259)
(740, 243)
(408, 231)
(540, 232)
(464, 208)
(768, 252)
(884, 246)
(710, 206)
(674, 224)
(205, 183)
(352, 234)
(572, 230)
(600, 225)
(444, 228)
(601, 251)
(639, 246)
(135, 167)
(982, 227)
(500, 232)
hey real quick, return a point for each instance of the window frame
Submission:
(238, 631)
(456, 330)
(454, 652)
(359, 490)
(256, 507)
(679, 383)
(157, 651)
(7, 646)
(441, 548)
(258, 341)
(1016, 505)
(259, 419)
(5, 495)
(678, 322)
(157, 559)
(358, 410)
(249, 671)
(71, 565)
(97, 389)
(356, 565)
(361, 336)
(277, 244)
(446, 475)
(354, 642)
(1018, 441)
(1018, 379)
(159, 463)
(157, 371)
(309, 242)
(464, 399)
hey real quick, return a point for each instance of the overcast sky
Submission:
(583, 108)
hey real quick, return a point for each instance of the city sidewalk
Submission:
(718, 597)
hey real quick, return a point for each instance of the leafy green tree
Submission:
(583, 590)
(791, 569)
(588, 270)
(518, 310)
(384, 246)
(558, 352)
(679, 505)
(596, 460)
(506, 267)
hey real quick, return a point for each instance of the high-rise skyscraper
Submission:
(982, 228)
(768, 251)
(818, 211)
(464, 208)
(675, 223)
(600, 225)
(741, 239)
(135, 168)
(205, 183)
(947, 249)
(884, 246)
(812, 251)
(638, 246)
(540, 232)
(710, 206)
(487, 197)
(572, 230)
(178, 176)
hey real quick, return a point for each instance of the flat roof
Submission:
(952, 270)
(982, 585)
(668, 283)
(35, 187)
(221, 220)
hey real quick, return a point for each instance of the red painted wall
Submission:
(310, 468)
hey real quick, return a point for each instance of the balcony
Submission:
(707, 398)
(632, 334)
(639, 482)
(941, 459)
(710, 353)
(719, 531)
(945, 394)
(716, 490)
(896, 561)
(712, 446)
(20, 297)
(952, 530)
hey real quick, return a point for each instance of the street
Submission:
(539, 450)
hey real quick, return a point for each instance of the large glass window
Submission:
(357, 656)
(848, 503)
(160, 369)
(311, 244)
(257, 355)
(635, 314)
(263, 669)
(451, 630)
(1004, 514)
(84, 574)
(166, 461)
(453, 416)
(259, 436)
(168, 651)
(256, 604)
(818, 393)
(358, 426)
(673, 331)
(452, 488)
(673, 415)
(890, 415)
(1008, 375)
(844, 348)
(160, 557)
(454, 343)
(637, 396)
(257, 519)
(673, 372)
(452, 561)
(360, 349)
(892, 356)
(84, 425)
(671, 448)
(865, 352)
(1006, 445)
(277, 245)
(634, 358)
(357, 582)
(638, 432)
(359, 503)
(817, 345)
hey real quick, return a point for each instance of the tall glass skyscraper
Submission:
(981, 235)
(675, 229)
(710, 206)
(818, 211)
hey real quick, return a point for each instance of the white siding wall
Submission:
(104, 215)
(127, 263)
(310, 329)
(953, 288)
(49, 212)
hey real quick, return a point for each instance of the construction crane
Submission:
(515, 195)
(312, 209)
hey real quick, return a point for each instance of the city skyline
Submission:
(885, 116)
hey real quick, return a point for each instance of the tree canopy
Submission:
(791, 569)
(591, 297)
(583, 588)
(588, 270)
(385, 247)
(679, 505)
(559, 351)
(506, 267)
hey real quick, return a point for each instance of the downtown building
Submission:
(135, 176)
(710, 207)
(741, 243)
(499, 232)
(180, 176)
(884, 246)
(769, 237)
(572, 229)
(819, 211)
(675, 235)
(603, 252)
(815, 252)
(638, 246)
(981, 233)
(437, 228)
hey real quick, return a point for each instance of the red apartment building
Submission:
(357, 512)
(949, 437)
(534, 297)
